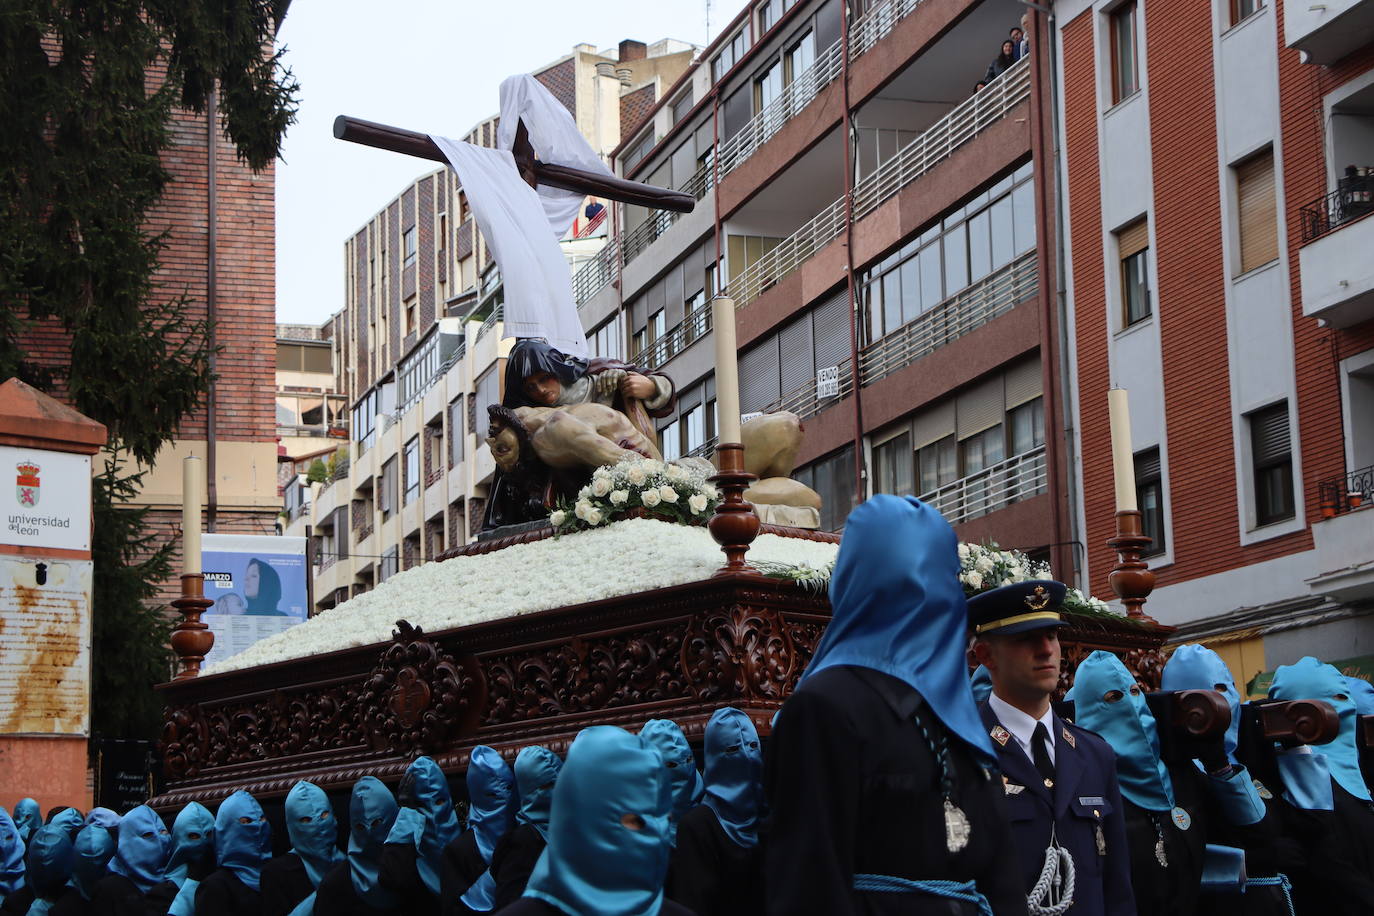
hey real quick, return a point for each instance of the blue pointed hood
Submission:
(28, 817)
(1194, 667)
(734, 774)
(981, 682)
(50, 859)
(313, 830)
(144, 844)
(1362, 692)
(491, 791)
(371, 814)
(69, 820)
(11, 856)
(94, 846)
(243, 838)
(678, 762)
(1108, 701)
(1309, 679)
(898, 608)
(426, 819)
(608, 834)
(536, 771)
(193, 839)
(102, 817)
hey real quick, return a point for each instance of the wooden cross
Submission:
(535, 173)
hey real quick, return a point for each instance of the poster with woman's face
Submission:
(258, 584)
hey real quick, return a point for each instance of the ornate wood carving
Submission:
(739, 651)
(418, 697)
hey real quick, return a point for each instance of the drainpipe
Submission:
(848, 129)
(211, 297)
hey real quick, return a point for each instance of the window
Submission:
(670, 441)
(1149, 490)
(658, 324)
(1125, 68)
(730, 53)
(939, 464)
(410, 311)
(488, 393)
(1244, 9)
(833, 480)
(769, 13)
(768, 87)
(411, 455)
(606, 340)
(694, 428)
(408, 246)
(1133, 247)
(682, 106)
(386, 486)
(800, 57)
(638, 151)
(389, 565)
(641, 340)
(1271, 456)
(892, 462)
(981, 450)
(456, 434)
(1257, 211)
(1026, 427)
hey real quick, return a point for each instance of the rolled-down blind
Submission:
(1269, 434)
(795, 355)
(1259, 232)
(1133, 238)
(933, 424)
(830, 330)
(1147, 467)
(1023, 382)
(758, 376)
(981, 407)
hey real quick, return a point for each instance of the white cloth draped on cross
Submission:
(521, 225)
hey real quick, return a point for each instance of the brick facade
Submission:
(634, 108)
(561, 80)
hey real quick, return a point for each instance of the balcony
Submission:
(1326, 32)
(938, 142)
(994, 295)
(638, 239)
(596, 273)
(1011, 481)
(1337, 274)
(676, 339)
(1344, 539)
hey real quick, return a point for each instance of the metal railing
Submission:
(497, 314)
(870, 28)
(596, 273)
(646, 233)
(676, 339)
(964, 122)
(970, 308)
(790, 102)
(1347, 492)
(803, 400)
(1017, 478)
(1352, 199)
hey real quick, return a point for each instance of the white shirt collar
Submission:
(1020, 724)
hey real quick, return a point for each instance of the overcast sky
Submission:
(430, 65)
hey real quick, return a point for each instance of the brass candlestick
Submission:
(1131, 578)
(735, 524)
(192, 639)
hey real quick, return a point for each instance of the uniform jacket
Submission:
(1083, 805)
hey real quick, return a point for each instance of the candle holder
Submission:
(192, 639)
(1131, 578)
(735, 524)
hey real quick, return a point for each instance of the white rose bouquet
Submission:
(672, 492)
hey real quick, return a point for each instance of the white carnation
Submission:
(667, 494)
(619, 497)
(697, 503)
(557, 518)
(650, 498)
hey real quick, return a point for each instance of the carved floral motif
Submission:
(418, 697)
(738, 652)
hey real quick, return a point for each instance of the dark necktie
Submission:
(1040, 752)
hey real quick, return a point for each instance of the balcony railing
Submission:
(1013, 480)
(1353, 199)
(1349, 491)
(596, 273)
(973, 307)
(870, 28)
(497, 314)
(804, 402)
(964, 122)
(646, 233)
(676, 339)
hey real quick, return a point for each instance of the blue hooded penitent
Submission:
(426, 819)
(536, 771)
(680, 764)
(1362, 692)
(491, 812)
(69, 820)
(734, 774)
(1194, 667)
(1125, 722)
(11, 856)
(981, 682)
(608, 835)
(50, 860)
(1309, 679)
(144, 844)
(193, 839)
(313, 831)
(243, 838)
(898, 608)
(95, 846)
(371, 814)
(102, 817)
(28, 817)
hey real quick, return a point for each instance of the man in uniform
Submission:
(1060, 781)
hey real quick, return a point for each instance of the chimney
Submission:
(605, 68)
(633, 50)
(626, 75)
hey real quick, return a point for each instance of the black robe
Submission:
(463, 865)
(854, 788)
(513, 861)
(529, 906)
(400, 876)
(18, 903)
(710, 873)
(116, 895)
(1338, 877)
(283, 884)
(223, 894)
(71, 903)
(336, 896)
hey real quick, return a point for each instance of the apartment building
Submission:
(895, 289)
(1217, 162)
(417, 349)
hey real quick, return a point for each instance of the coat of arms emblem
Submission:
(26, 484)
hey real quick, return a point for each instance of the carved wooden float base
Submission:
(679, 653)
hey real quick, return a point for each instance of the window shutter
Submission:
(1259, 234)
(981, 407)
(1133, 238)
(758, 376)
(795, 355)
(1023, 383)
(341, 537)
(1147, 466)
(673, 296)
(933, 424)
(1269, 434)
(684, 163)
(830, 330)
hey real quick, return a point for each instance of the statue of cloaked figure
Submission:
(561, 416)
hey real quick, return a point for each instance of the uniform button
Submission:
(1049, 783)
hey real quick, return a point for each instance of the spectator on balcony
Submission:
(979, 86)
(1002, 61)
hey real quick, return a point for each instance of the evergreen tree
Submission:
(87, 91)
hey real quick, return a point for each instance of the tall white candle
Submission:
(1123, 459)
(192, 485)
(727, 368)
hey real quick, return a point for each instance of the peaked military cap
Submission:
(1018, 608)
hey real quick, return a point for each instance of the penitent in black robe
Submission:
(853, 787)
(513, 862)
(283, 885)
(116, 895)
(400, 876)
(336, 896)
(223, 894)
(710, 873)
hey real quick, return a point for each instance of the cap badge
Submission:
(1039, 599)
